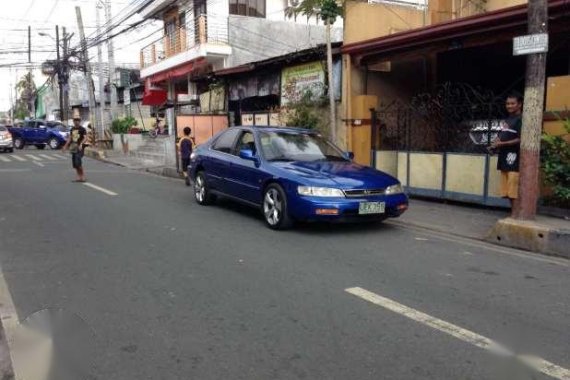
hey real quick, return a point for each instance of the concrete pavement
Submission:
(175, 290)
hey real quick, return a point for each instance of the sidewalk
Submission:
(545, 235)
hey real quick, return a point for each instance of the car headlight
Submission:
(394, 189)
(193, 156)
(319, 191)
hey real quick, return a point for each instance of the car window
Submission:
(246, 141)
(3, 128)
(225, 142)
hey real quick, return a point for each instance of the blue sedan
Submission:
(292, 174)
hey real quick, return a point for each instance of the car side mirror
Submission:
(349, 155)
(247, 154)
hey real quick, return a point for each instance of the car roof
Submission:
(280, 129)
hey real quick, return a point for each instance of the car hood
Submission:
(343, 175)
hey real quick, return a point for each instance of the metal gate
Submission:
(436, 144)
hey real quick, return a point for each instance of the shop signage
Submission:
(296, 81)
(530, 44)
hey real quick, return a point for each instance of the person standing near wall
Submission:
(508, 146)
(185, 148)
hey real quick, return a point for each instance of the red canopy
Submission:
(153, 96)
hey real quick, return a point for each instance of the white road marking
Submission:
(18, 158)
(33, 157)
(60, 156)
(39, 164)
(103, 190)
(539, 364)
(5, 159)
(47, 157)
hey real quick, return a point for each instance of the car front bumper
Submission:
(308, 208)
(6, 144)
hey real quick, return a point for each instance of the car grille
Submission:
(363, 193)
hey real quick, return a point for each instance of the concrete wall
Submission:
(493, 5)
(253, 39)
(365, 21)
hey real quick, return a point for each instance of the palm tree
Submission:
(328, 11)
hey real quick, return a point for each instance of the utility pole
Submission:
(65, 77)
(92, 107)
(525, 207)
(31, 108)
(111, 53)
(60, 69)
(331, 82)
(100, 75)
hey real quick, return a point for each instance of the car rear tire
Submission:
(274, 208)
(40, 146)
(11, 150)
(53, 143)
(19, 143)
(202, 191)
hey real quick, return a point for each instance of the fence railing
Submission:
(201, 30)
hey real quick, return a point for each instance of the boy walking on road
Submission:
(185, 147)
(77, 136)
(508, 145)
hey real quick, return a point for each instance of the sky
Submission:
(43, 16)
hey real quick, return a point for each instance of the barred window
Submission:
(251, 8)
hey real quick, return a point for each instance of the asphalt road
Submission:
(173, 290)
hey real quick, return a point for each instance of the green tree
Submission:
(25, 91)
(555, 164)
(328, 11)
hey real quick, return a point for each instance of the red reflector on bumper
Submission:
(326, 211)
(402, 207)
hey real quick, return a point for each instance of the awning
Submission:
(176, 72)
(484, 27)
(153, 96)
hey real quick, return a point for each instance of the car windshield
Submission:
(3, 128)
(295, 146)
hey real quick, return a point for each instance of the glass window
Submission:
(287, 146)
(246, 141)
(225, 142)
(251, 8)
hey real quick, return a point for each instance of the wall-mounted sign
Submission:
(297, 81)
(530, 44)
(247, 119)
(261, 119)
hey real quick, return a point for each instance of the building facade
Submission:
(200, 37)
(436, 78)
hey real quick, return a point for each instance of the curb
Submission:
(531, 236)
(6, 369)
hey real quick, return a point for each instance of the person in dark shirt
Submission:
(185, 147)
(75, 145)
(508, 145)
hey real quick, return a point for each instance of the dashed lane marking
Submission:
(101, 189)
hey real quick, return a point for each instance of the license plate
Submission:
(371, 207)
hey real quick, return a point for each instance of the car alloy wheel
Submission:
(275, 208)
(201, 190)
(272, 207)
(53, 143)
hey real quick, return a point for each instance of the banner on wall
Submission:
(296, 81)
(262, 85)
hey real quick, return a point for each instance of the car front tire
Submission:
(274, 208)
(202, 191)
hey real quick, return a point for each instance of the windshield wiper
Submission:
(281, 158)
